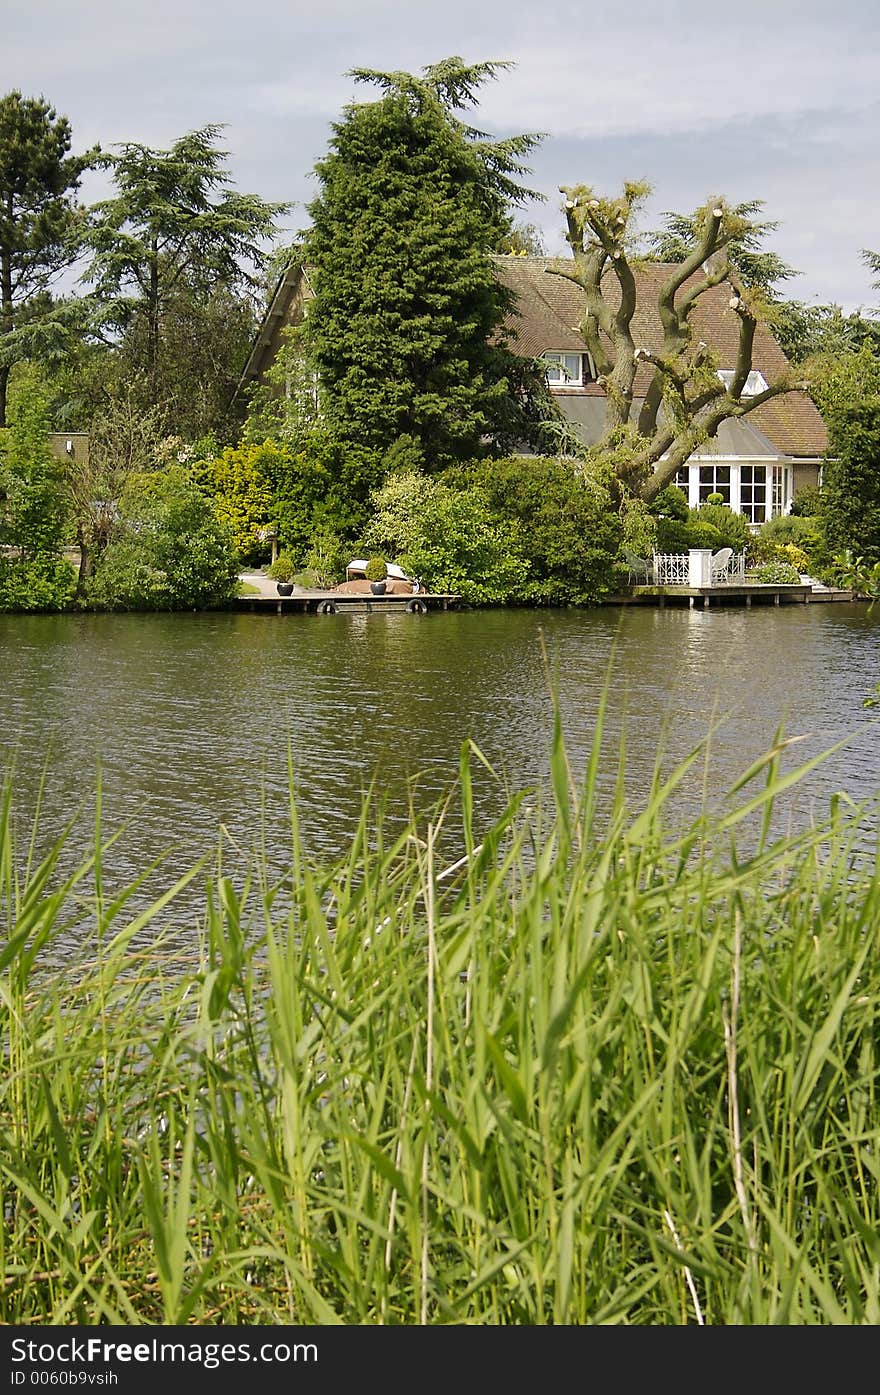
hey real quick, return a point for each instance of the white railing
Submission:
(674, 569)
(671, 569)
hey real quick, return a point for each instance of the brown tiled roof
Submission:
(550, 307)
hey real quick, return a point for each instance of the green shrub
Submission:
(238, 480)
(703, 534)
(807, 503)
(778, 574)
(732, 528)
(560, 520)
(671, 503)
(794, 556)
(324, 488)
(672, 535)
(283, 568)
(376, 569)
(169, 552)
(802, 532)
(451, 538)
(46, 581)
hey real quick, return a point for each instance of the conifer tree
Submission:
(38, 214)
(404, 328)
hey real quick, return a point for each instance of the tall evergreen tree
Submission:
(404, 330)
(174, 232)
(38, 212)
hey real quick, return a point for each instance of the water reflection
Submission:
(191, 718)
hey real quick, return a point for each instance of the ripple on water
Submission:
(192, 718)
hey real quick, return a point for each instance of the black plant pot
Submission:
(378, 587)
(285, 588)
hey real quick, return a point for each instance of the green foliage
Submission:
(321, 490)
(671, 502)
(702, 533)
(451, 538)
(756, 266)
(623, 1071)
(326, 559)
(807, 502)
(562, 518)
(204, 338)
(38, 213)
(711, 525)
(33, 507)
(822, 335)
(283, 405)
(732, 528)
(403, 327)
(124, 440)
(169, 551)
(862, 577)
(45, 581)
(778, 574)
(283, 568)
(839, 381)
(640, 528)
(376, 569)
(851, 480)
(238, 480)
(173, 238)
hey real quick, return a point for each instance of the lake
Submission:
(191, 717)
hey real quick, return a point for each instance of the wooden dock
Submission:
(728, 593)
(336, 603)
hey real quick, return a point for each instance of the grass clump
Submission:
(597, 1070)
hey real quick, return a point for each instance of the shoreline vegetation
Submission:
(601, 1068)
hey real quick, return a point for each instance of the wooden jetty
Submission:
(343, 603)
(728, 593)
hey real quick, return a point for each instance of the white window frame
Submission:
(755, 382)
(555, 359)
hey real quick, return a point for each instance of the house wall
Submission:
(78, 445)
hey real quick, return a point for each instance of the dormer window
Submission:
(755, 382)
(567, 370)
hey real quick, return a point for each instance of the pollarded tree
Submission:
(404, 329)
(38, 213)
(174, 231)
(685, 401)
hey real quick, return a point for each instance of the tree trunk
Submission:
(6, 322)
(86, 564)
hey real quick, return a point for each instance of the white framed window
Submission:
(753, 492)
(714, 479)
(781, 491)
(755, 382)
(682, 478)
(564, 369)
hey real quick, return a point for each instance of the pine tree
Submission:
(38, 214)
(404, 330)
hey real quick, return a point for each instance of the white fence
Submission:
(674, 569)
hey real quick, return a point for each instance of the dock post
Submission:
(776, 598)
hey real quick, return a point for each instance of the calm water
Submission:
(190, 717)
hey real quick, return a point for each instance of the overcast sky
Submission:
(770, 99)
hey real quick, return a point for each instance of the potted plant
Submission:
(376, 573)
(282, 572)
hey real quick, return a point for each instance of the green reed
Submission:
(603, 1068)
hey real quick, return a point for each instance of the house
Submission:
(757, 463)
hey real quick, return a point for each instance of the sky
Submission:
(777, 100)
